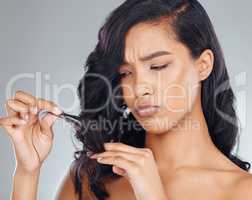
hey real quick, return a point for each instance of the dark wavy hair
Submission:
(191, 26)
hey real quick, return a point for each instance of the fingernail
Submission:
(57, 110)
(99, 159)
(93, 156)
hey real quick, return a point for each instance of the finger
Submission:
(126, 155)
(46, 124)
(33, 117)
(10, 121)
(39, 104)
(9, 111)
(113, 146)
(120, 162)
(43, 104)
(118, 170)
(19, 107)
(25, 97)
(28, 100)
(42, 133)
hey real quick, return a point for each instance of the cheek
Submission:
(174, 99)
(175, 92)
(178, 90)
(128, 93)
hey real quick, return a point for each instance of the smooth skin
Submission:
(179, 161)
(189, 164)
(31, 138)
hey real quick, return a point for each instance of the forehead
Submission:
(143, 39)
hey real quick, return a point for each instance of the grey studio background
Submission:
(48, 41)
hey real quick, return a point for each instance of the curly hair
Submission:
(193, 28)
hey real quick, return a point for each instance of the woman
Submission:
(163, 59)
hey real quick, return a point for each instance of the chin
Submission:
(155, 125)
(156, 131)
(160, 124)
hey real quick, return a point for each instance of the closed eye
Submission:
(158, 67)
(123, 74)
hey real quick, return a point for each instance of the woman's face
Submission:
(173, 88)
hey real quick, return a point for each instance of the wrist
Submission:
(25, 172)
(25, 184)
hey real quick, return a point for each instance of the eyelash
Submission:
(158, 67)
(152, 67)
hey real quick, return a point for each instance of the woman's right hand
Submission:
(31, 138)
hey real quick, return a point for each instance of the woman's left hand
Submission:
(138, 166)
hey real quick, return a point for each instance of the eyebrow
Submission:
(152, 55)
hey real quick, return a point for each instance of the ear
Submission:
(205, 64)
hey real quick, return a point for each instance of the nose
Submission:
(143, 89)
(142, 83)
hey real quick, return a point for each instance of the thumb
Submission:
(46, 123)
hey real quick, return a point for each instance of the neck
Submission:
(187, 144)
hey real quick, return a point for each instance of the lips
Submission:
(146, 110)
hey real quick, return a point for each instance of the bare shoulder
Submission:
(243, 186)
(119, 188)
(66, 189)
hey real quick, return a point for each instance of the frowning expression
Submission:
(160, 71)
